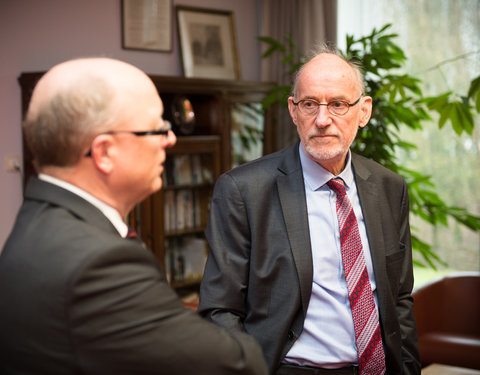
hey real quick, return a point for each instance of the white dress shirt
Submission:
(111, 213)
(328, 338)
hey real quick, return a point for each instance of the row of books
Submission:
(185, 258)
(187, 169)
(181, 209)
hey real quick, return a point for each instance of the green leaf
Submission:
(474, 92)
(474, 87)
(444, 115)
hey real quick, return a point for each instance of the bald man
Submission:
(276, 267)
(77, 296)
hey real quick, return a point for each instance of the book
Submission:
(169, 210)
(183, 169)
(193, 251)
(197, 177)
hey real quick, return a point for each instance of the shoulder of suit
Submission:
(361, 163)
(269, 161)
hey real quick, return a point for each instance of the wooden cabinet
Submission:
(225, 108)
(231, 127)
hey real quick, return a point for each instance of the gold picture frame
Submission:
(147, 25)
(208, 44)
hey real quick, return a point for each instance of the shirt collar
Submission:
(316, 176)
(111, 213)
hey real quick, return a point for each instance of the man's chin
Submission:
(325, 153)
(157, 186)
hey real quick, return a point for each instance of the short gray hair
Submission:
(60, 129)
(330, 49)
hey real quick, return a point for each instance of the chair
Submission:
(447, 312)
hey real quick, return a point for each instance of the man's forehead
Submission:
(327, 71)
(329, 65)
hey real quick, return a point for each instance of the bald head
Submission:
(73, 102)
(329, 60)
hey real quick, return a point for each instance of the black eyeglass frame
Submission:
(140, 133)
(327, 105)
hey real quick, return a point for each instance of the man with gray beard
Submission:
(310, 248)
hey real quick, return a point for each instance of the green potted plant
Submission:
(398, 101)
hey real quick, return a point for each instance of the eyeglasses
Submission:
(164, 131)
(310, 107)
(144, 133)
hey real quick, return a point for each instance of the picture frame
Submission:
(208, 44)
(147, 25)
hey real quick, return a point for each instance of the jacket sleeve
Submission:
(225, 280)
(127, 320)
(404, 307)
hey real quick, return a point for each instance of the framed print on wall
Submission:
(208, 44)
(147, 25)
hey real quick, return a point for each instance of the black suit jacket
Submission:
(79, 299)
(259, 273)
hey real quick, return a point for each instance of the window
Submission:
(432, 32)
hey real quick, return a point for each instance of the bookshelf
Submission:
(174, 219)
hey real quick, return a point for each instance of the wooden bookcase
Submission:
(227, 114)
(172, 222)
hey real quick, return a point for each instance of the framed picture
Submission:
(208, 45)
(147, 25)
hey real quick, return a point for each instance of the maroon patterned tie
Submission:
(371, 358)
(133, 235)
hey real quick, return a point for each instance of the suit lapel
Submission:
(368, 192)
(290, 186)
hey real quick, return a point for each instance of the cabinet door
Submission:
(250, 125)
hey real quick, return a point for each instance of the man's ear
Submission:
(365, 111)
(103, 151)
(292, 109)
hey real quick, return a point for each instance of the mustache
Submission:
(323, 132)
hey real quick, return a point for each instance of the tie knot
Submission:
(131, 233)
(337, 185)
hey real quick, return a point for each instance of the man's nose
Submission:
(323, 117)
(171, 139)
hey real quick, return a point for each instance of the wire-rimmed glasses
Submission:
(310, 107)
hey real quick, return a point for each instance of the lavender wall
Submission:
(34, 35)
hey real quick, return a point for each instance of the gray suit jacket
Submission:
(258, 276)
(79, 299)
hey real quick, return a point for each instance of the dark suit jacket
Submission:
(259, 272)
(76, 298)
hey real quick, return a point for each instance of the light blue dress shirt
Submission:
(328, 338)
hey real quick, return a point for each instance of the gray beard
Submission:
(325, 154)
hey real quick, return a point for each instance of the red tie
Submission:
(131, 233)
(371, 358)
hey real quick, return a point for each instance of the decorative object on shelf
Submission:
(183, 115)
(147, 25)
(208, 43)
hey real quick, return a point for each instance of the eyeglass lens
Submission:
(311, 107)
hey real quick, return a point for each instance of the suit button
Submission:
(291, 335)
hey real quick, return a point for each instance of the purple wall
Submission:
(34, 35)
